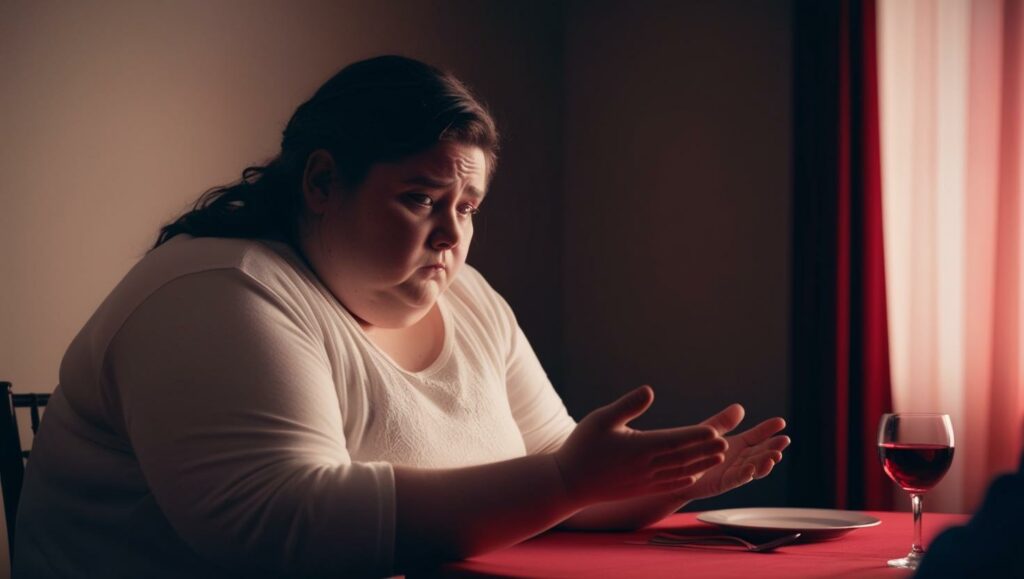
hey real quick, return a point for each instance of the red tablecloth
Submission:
(861, 553)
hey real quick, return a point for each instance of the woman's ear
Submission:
(317, 180)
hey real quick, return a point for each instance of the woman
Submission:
(303, 378)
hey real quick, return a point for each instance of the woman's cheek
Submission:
(467, 239)
(404, 249)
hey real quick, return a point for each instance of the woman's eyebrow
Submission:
(432, 183)
(429, 182)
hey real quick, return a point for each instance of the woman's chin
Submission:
(406, 304)
(421, 294)
(422, 287)
(397, 307)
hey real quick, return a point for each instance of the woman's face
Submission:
(389, 248)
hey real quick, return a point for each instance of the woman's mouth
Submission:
(434, 269)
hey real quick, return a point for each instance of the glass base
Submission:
(911, 561)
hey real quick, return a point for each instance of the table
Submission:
(861, 553)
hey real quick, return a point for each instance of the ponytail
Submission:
(256, 206)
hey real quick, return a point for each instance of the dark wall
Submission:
(676, 210)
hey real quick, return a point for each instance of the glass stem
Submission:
(915, 501)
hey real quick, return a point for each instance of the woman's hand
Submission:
(751, 454)
(604, 460)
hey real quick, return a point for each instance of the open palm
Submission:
(751, 454)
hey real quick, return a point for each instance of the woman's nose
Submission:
(447, 233)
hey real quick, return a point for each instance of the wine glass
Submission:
(916, 450)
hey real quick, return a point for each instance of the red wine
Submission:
(915, 467)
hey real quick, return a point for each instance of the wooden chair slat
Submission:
(12, 456)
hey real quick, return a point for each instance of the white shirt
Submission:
(221, 413)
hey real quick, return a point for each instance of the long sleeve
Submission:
(228, 403)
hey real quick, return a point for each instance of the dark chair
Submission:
(12, 457)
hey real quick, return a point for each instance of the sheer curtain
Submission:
(950, 105)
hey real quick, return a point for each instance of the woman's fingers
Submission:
(779, 443)
(765, 466)
(674, 439)
(774, 444)
(763, 462)
(771, 448)
(690, 453)
(626, 408)
(727, 419)
(672, 485)
(762, 431)
(691, 469)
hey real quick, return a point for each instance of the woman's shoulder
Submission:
(183, 255)
(264, 263)
(474, 296)
(471, 284)
(271, 263)
(176, 270)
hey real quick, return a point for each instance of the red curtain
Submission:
(840, 360)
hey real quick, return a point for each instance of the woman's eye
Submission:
(468, 209)
(420, 199)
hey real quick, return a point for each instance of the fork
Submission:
(672, 540)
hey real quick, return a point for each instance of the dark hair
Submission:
(377, 110)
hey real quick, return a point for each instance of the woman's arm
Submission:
(229, 406)
(626, 515)
(455, 513)
(462, 512)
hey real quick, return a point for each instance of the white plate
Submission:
(813, 524)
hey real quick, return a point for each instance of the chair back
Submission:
(12, 456)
